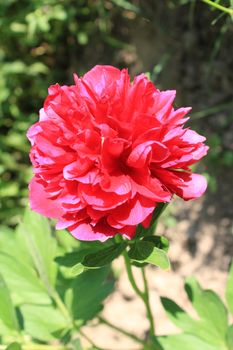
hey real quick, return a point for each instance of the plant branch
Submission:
(147, 303)
(130, 275)
(90, 340)
(143, 295)
(120, 330)
(219, 7)
(61, 306)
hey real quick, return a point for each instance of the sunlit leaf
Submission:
(145, 251)
(185, 342)
(208, 305)
(7, 311)
(229, 337)
(24, 284)
(43, 322)
(36, 233)
(229, 289)
(14, 346)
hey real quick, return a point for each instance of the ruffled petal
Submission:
(100, 77)
(40, 202)
(85, 232)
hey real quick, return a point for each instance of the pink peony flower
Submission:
(105, 151)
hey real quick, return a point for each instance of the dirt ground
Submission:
(201, 244)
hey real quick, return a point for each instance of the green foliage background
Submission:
(44, 41)
(41, 42)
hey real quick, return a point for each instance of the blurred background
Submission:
(184, 45)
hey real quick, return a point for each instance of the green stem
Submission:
(90, 341)
(120, 330)
(143, 295)
(130, 275)
(66, 314)
(219, 7)
(61, 306)
(147, 303)
(43, 347)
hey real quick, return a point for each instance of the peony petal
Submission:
(101, 77)
(99, 199)
(140, 155)
(192, 137)
(163, 104)
(85, 232)
(194, 186)
(76, 169)
(160, 152)
(40, 203)
(118, 184)
(185, 185)
(132, 213)
(176, 116)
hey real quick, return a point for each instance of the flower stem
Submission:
(219, 7)
(147, 303)
(131, 277)
(143, 295)
(62, 307)
(120, 330)
(90, 341)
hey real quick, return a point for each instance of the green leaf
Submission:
(72, 258)
(24, 284)
(43, 322)
(14, 346)
(76, 345)
(185, 342)
(36, 233)
(178, 316)
(160, 242)
(88, 292)
(126, 5)
(229, 337)
(199, 328)
(154, 345)
(229, 289)
(66, 241)
(79, 251)
(37, 68)
(209, 307)
(77, 269)
(140, 250)
(105, 256)
(138, 264)
(213, 306)
(159, 258)
(144, 251)
(32, 249)
(7, 311)
(12, 244)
